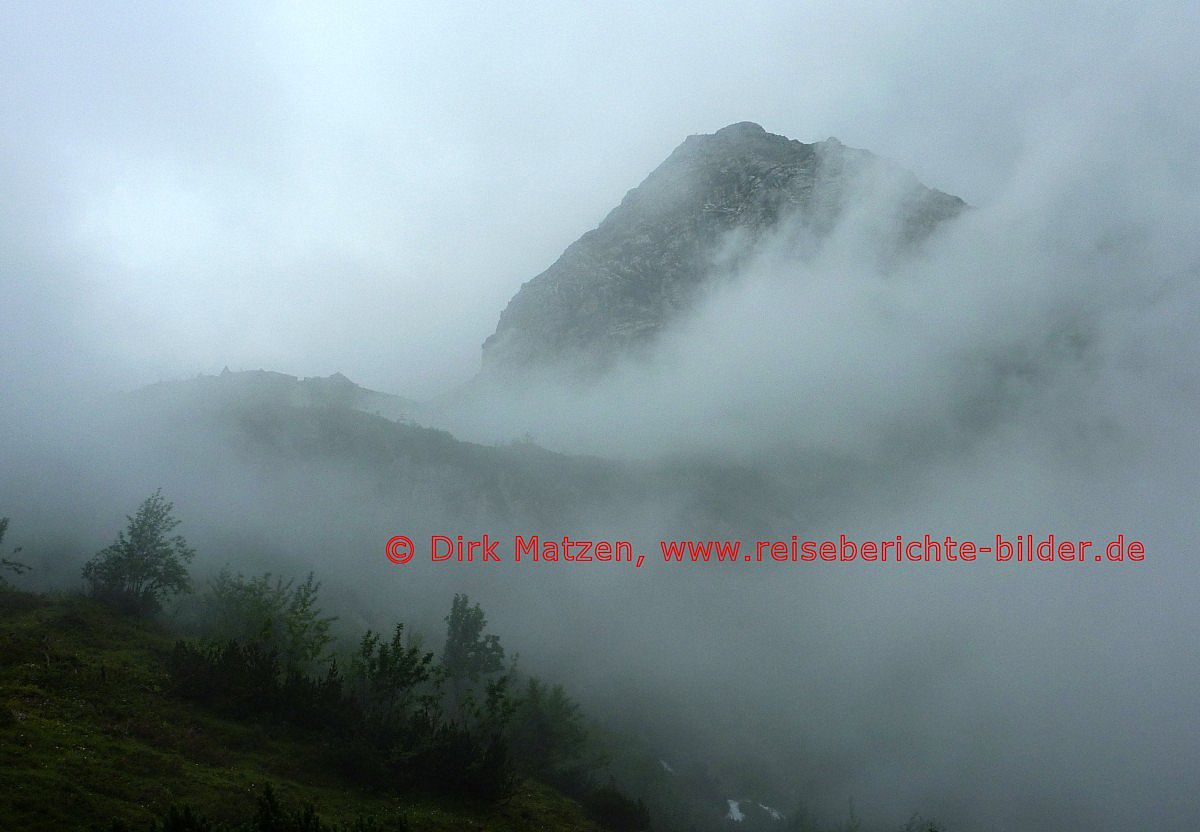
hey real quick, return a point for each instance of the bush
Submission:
(143, 566)
(548, 735)
(466, 758)
(387, 676)
(244, 680)
(239, 680)
(282, 616)
(469, 654)
(387, 717)
(269, 816)
(610, 807)
(455, 758)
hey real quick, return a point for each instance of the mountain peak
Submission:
(741, 128)
(619, 285)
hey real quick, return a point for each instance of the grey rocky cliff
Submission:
(618, 285)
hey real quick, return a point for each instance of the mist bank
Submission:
(927, 688)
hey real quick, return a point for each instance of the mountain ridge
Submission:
(617, 286)
(268, 387)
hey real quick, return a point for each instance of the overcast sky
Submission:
(362, 187)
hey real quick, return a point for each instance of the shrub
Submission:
(143, 566)
(468, 757)
(548, 735)
(388, 713)
(455, 758)
(318, 702)
(240, 680)
(469, 654)
(6, 565)
(269, 816)
(282, 616)
(615, 810)
(388, 674)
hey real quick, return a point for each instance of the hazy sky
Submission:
(362, 187)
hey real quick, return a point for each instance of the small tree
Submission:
(548, 735)
(388, 674)
(144, 565)
(283, 616)
(6, 565)
(469, 654)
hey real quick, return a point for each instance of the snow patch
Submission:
(774, 813)
(735, 811)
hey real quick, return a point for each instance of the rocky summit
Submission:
(696, 216)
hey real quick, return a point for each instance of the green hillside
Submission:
(89, 733)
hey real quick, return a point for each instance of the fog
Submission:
(313, 173)
(362, 190)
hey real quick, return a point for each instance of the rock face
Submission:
(693, 218)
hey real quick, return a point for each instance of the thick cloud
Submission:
(363, 189)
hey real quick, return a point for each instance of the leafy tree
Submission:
(6, 565)
(280, 615)
(547, 733)
(469, 654)
(388, 673)
(144, 565)
(457, 758)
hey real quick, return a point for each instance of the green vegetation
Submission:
(143, 566)
(7, 565)
(90, 731)
(469, 655)
(269, 816)
(111, 720)
(389, 674)
(549, 734)
(282, 615)
(254, 720)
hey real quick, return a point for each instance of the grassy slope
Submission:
(87, 733)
